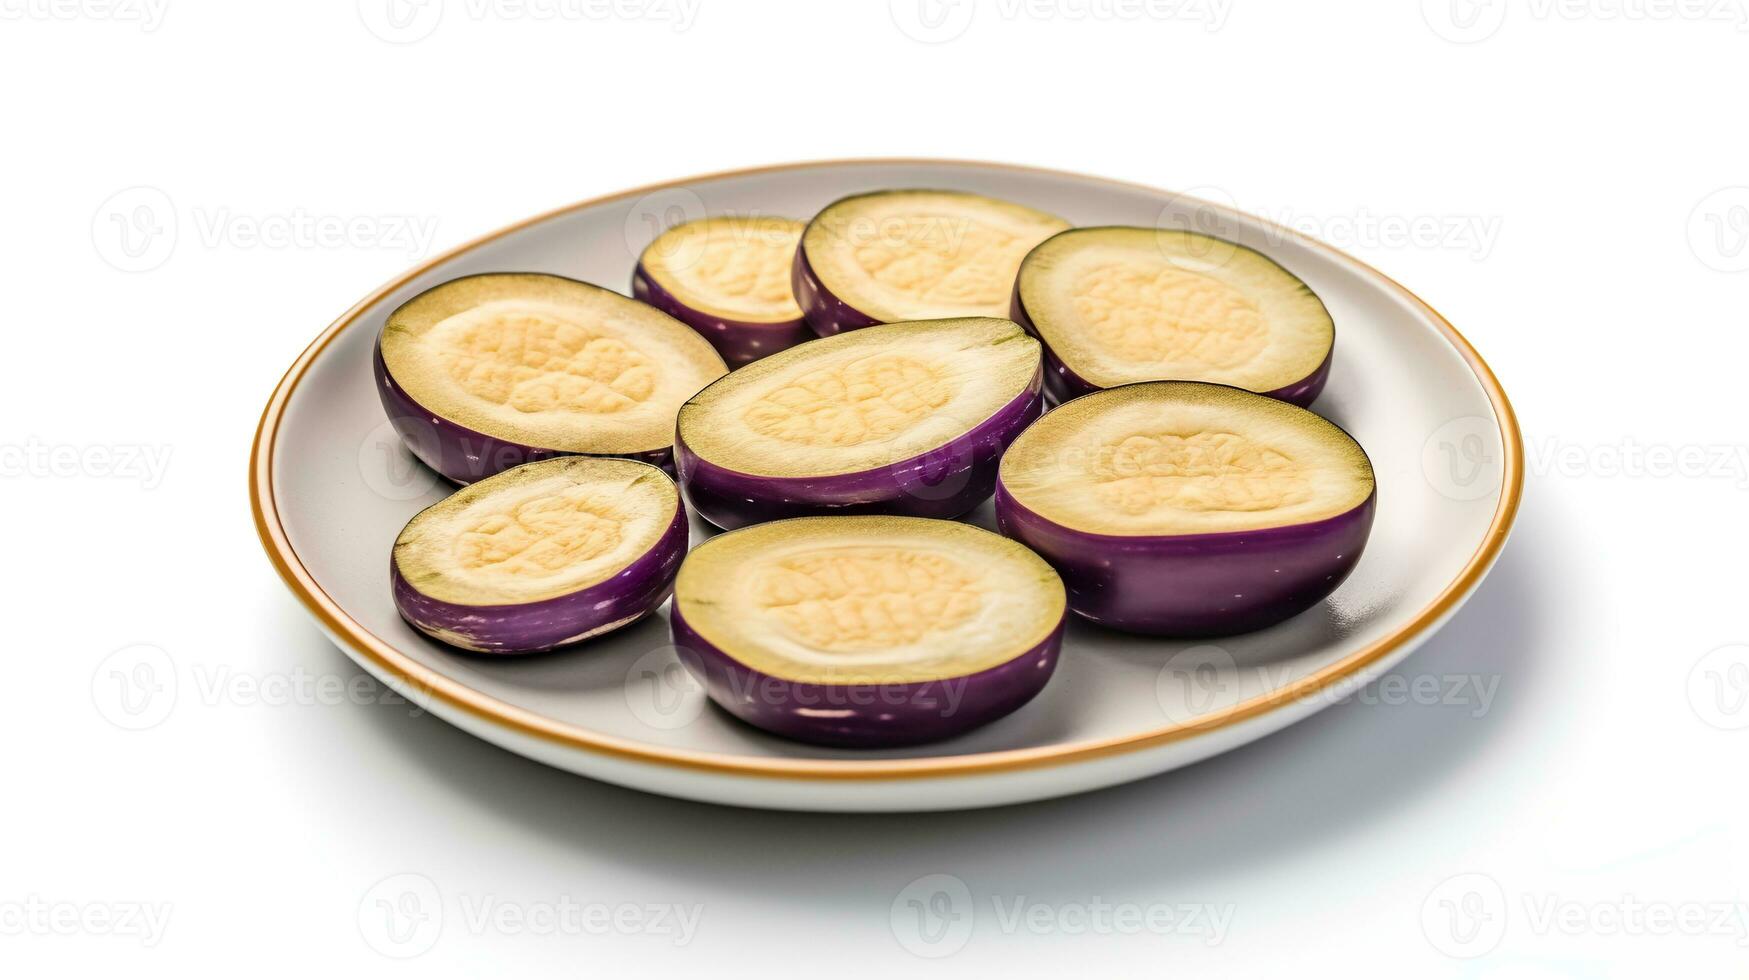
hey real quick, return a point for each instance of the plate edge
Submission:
(420, 680)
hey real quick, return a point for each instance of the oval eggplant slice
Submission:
(913, 255)
(1119, 305)
(728, 278)
(540, 556)
(867, 631)
(906, 418)
(487, 372)
(1188, 509)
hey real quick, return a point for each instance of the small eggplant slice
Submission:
(487, 372)
(1188, 509)
(541, 556)
(867, 631)
(1120, 305)
(729, 279)
(905, 418)
(913, 255)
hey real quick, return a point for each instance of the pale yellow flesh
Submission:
(1120, 305)
(537, 532)
(737, 268)
(860, 400)
(1179, 458)
(916, 255)
(548, 362)
(881, 600)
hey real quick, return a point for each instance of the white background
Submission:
(1566, 182)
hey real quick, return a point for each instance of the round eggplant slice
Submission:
(913, 255)
(541, 556)
(487, 372)
(867, 631)
(1119, 305)
(1187, 509)
(906, 418)
(729, 279)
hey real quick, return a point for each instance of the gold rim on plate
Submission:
(416, 677)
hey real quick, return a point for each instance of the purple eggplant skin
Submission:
(458, 453)
(632, 593)
(1065, 385)
(826, 314)
(945, 482)
(865, 716)
(1192, 585)
(738, 341)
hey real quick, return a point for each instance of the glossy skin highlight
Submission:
(1064, 384)
(460, 454)
(1226, 512)
(945, 482)
(629, 595)
(866, 716)
(738, 341)
(1194, 585)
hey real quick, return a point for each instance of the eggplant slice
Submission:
(1188, 509)
(867, 631)
(913, 255)
(543, 555)
(490, 371)
(1121, 305)
(905, 418)
(728, 278)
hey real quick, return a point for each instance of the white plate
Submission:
(331, 487)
